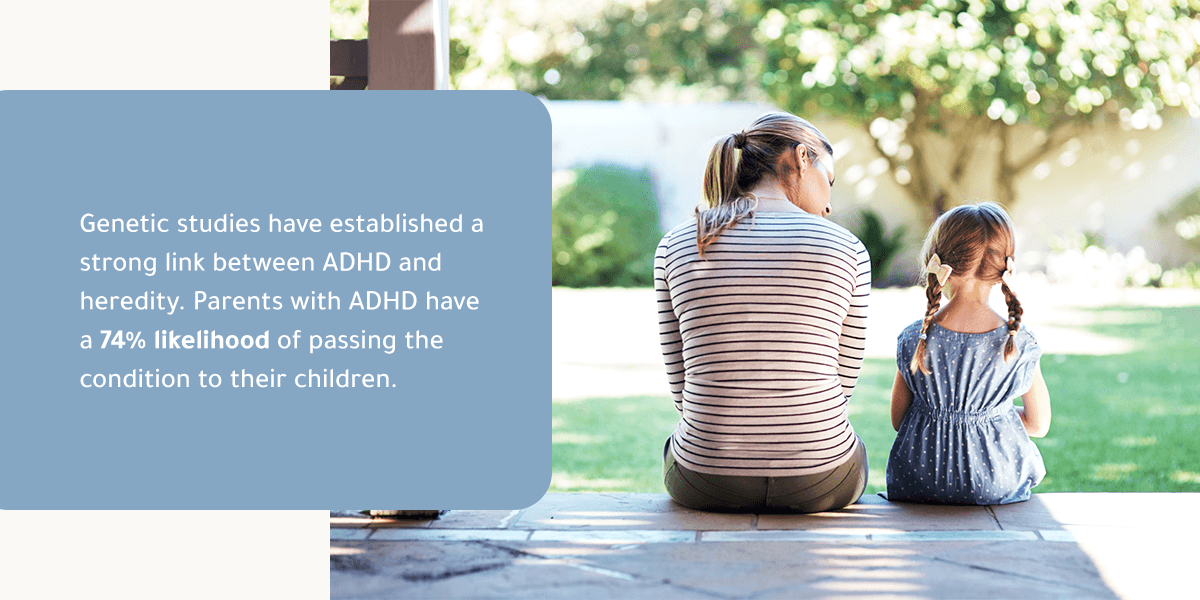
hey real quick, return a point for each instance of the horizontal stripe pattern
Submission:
(763, 341)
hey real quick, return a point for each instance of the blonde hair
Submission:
(975, 240)
(740, 160)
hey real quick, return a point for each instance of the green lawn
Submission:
(1122, 423)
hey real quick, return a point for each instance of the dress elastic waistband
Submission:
(954, 415)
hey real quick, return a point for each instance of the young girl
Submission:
(960, 439)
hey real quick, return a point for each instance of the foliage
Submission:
(935, 82)
(942, 74)
(883, 246)
(596, 50)
(347, 19)
(926, 79)
(1076, 240)
(605, 228)
(1187, 276)
(1083, 258)
(1184, 219)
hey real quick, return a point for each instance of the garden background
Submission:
(1082, 117)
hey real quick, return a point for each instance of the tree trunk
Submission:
(920, 187)
(1006, 173)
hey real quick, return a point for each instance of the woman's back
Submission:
(763, 338)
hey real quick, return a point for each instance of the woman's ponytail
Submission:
(722, 192)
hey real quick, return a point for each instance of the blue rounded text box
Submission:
(360, 277)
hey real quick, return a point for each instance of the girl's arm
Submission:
(902, 399)
(1035, 414)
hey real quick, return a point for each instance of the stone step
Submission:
(1058, 545)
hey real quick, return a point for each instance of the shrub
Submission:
(883, 246)
(1083, 258)
(1184, 219)
(605, 228)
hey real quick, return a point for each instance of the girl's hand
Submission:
(1035, 414)
(902, 399)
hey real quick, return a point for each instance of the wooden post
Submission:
(348, 58)
(403, 50)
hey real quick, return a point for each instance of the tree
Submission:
(347, 19)
(934, 79)
(607, 50)
(927, 79)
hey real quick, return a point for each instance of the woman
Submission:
(762, 315)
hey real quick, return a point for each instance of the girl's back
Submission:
(962, 441)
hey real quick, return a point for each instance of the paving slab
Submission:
(615, 537)
(532, 569)
(783, 536)
(1143, 562)
(348, 534)
(730, 570)
(383, 569)
(1067, 510)
(956, 536)
(1046, 563)
(345, 548)
(623, 511)
(752, 570)
(347, 519)
(1128, 546)
(462, 570)
(476, 519)
(1057, 535)
(438, 535)
(1031, 515)
(932, 579)
(872, 514)
(554, 549)
(386, 523)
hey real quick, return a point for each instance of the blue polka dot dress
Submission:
(962, 441)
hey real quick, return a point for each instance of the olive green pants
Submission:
(818, 492)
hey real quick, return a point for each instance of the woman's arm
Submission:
(1035, 414)
(668, 327)
(853, 341)
(901, 400)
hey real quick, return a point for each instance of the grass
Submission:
(1121, 423)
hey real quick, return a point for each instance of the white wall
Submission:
(1110, 180)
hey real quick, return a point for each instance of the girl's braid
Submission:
(1014, 320)
(933, 291)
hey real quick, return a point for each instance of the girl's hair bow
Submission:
(1008, 271)
(935, 267)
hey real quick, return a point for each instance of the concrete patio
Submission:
(645, 546)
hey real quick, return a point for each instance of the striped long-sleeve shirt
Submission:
(763, 340)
